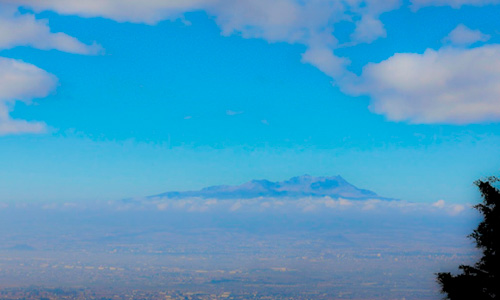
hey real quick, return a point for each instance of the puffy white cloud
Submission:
(368, 29)
(451, 85)
(456, 86)
(453, 3)
(20, 81)
(145, 11)
(25, 30)
(309, 23)
(276, 21)
(279, 20)
(464, 36)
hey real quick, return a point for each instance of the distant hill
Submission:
(21, 247)
(296, 187)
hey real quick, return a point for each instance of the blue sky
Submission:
(112, 99)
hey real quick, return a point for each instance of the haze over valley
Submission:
(244, 149)
(304, 237)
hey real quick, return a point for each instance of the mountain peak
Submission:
(295, 187)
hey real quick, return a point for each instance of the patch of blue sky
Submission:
(153, 113)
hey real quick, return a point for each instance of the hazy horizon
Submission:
(243, 149)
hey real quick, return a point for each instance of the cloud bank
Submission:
(307, 206)
(304, 205)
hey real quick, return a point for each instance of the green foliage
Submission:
(480, 281)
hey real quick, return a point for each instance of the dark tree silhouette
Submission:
(480, 281)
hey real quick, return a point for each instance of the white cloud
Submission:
(370, 204)
(25, 30)
(452, 209)
(10, 126)
(439, 204)
(211, 202)
(309, 205)
(309, 23)
(277, 20)
(457, 86)
(235, 206)
(464, 36)
(457, 209)
(324, 59)
(339, 203)
(20, 81)
(162, 206)
(453, 3)
(145, 11)
(368, 29)
(344, 202)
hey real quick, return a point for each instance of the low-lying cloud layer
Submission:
(260, 206)
(305, 205)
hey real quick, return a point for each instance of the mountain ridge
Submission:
(295, 187)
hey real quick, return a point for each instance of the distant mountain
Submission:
(296, 187)
(21, 247)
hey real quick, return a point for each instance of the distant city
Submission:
(131, 250)
(246, 149)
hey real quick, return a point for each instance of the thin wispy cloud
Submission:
(233, 113)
